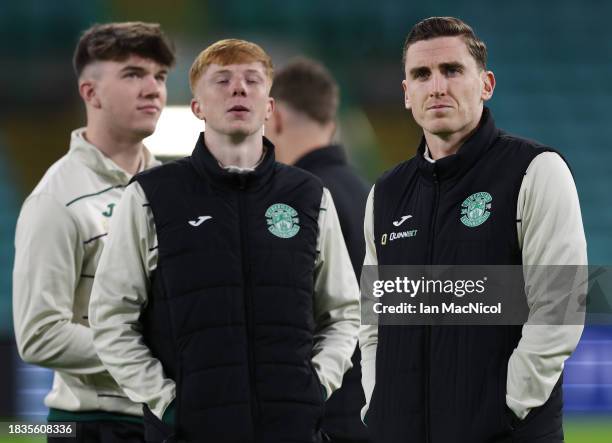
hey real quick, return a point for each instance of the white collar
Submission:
(427, 156)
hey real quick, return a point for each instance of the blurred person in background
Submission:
(63, 225)
(473, 194)
(225, 300)
(302, 128)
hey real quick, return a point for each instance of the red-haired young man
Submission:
(225, 300)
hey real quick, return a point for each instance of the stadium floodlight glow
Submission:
(176, 133)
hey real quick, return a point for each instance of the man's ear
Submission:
(277, 121)
(488, 81)
(407, 103)
(270, 108)
(87, 91)
(197, 109)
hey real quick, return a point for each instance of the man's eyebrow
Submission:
(222, 72)
(141, 70)
(228, 72)
(443, 66)
(133, 68)
(418, 70)
(453, 65)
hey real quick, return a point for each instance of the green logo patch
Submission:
(475, 209)
(109, 213)
(282, 220)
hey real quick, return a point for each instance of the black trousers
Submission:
(104, 432)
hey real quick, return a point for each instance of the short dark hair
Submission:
(117, 41)
(308, 87)
(447, 27)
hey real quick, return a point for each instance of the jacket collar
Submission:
(469, 153)
(208, 167)
(94, 159)
(327, 155)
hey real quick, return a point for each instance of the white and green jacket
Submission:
(61, 231)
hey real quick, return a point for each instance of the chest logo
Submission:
(201, 219)
(282, 220)
(401, 220)
(475, 209)
(109, 212)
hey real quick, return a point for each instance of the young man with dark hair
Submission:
(63, 225)
(302, 128)
(225, 300)
(468, 384)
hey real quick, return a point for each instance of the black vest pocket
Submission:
(156, 430)
(320, 392)
(544, 423)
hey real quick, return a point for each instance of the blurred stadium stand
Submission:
(10, 200)
(587, 379)
(26, 384)
(9, 207)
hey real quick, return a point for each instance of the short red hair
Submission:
(228, 52)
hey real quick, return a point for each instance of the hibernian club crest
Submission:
(475, 209)
(282, 220)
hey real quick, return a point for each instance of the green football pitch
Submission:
(588, 430)
(577, 430)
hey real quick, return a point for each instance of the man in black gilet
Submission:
(302, 128)
(226, 302)
(467, 384)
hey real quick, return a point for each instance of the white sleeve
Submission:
(550, 233)
(368, 334)
(48, 265)
(336, 301)
(119, 294)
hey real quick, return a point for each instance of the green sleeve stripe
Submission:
(94, 194)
